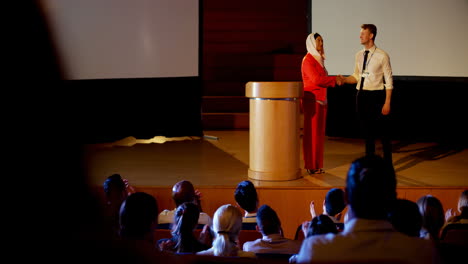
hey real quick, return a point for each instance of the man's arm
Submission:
(350, 79)
(388, 99)
(388, 75)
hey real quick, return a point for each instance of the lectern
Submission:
(274, 130)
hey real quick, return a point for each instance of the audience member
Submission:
(321, 224)
(368, 236)
(333, 206)
(273, 240)
(183, 239)
(405, 217)
(433, 217)
(227, 223)
(116, 190)
(451, 217)
(182, 192)
(247, 198)
(138, 217)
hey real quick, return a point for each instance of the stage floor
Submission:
(225, 161)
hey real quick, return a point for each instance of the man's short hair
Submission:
(371, 187)
(246, 196)
(372, 29)
(406, 218)
(114, 183)
(335, 201)
(268, 221)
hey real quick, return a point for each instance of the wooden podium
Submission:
(274, 130)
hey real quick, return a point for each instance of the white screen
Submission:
(422, 37)
(99, 39)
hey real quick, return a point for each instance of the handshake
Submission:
(340, 79)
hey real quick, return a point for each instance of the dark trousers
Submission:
(372, 123)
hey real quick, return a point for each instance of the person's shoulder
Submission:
(381, 51)
(204, 219)
(166, 212)
(322, 239)
(307, 58)
(248, 244)
(208, 252)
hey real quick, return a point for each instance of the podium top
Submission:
(273, 89)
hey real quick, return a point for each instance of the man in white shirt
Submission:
(374, 79)
(368, 236)
(272, 241)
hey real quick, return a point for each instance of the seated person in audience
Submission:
(183, 239)
(182, 192)
(138, 219)
(433, 217)
(452, 218)
(116, 190)
(227, 224)
(321, 224)
(247, 198)
(333, 206)
(405, 217)
(368, 236)
(273, 241)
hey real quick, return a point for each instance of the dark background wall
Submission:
(423, 109)
(246, 41)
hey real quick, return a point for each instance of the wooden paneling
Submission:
(249, 41)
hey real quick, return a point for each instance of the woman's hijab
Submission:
(310, 44)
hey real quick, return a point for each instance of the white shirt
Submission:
(364, 240)
(377, 68)
(167, 216)
(240, 253)
(274, 243)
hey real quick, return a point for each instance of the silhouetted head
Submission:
(138, 216)
(182, 192)
(335, 201)
(268, 221)
(321, 224)
(371, 187)
(246, 196)
(114, 188)
(405, 217)
(433, 216)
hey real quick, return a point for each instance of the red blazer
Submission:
(315, 78)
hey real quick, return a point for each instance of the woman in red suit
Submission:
(314, 103)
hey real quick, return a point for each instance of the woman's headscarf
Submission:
(310, 44)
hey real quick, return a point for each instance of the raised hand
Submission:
(128, 187)
(312, 209)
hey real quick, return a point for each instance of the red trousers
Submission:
(313, 140)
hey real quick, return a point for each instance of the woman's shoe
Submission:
(319, 171)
